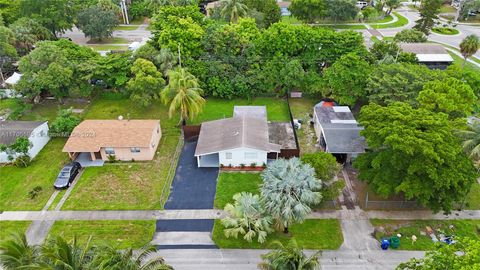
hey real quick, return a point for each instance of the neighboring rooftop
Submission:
(427, 52)
(332, 116)
(13, 79)
(11, 130)
(250, 111)
(236, 132)
(91, 135)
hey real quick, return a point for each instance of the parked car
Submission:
(67, 175)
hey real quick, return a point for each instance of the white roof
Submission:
(14, 78)
(434, 58)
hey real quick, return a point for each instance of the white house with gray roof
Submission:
(337, 130)
(242, 139)
(434, 56)
(35, 131)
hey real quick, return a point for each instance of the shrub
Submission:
(253, 164)
(242, 165)
(65, 122)
(32, 194)
(22, 161)
(112, 158)
(221, 165)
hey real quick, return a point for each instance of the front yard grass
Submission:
(111, 40)
(402, 21)
(407, 228)
(118, 233)
(229, 184)
(108, 47)
(301, 109)
(215, 108)
(7, 228)
(473, 198)
(311, 234)
(16, 183)
(125, 186)
(48, 110)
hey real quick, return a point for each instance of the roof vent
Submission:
(341, 109)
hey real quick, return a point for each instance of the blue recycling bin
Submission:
(385, 244)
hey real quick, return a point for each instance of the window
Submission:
(228, 155)
(158, 130)
(109, 151)
(250, 155)
(135, 150)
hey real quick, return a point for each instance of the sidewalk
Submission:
(218, 214)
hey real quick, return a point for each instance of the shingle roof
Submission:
(427, 52)
(236, 132)
(91, 135)
(340, 129)
(250, 111)
(11, 130)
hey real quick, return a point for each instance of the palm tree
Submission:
(183, 94)
(469, 46)
(289, 257)
(289, 188)
(233, 9)
(471, 141)
(57, 253)
(165, 60)
(247, 217)
(144, 259)
(15, 252)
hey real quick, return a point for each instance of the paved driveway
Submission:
(192, 187)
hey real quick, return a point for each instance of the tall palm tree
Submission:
(233, 9)
(471, 141)
(247, 217)
(165, 60)
(183, 94)
(144, 259)
(15, 253)
(469, 46)
(57, 253)
(289, 256)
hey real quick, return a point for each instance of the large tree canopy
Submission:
(56, 15)
(308, 10)
(414, 152)
(97, 23)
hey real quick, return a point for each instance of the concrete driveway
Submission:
(192, 187)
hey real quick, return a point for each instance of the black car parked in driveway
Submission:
(67, 175)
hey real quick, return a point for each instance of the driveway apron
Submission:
(192, 188)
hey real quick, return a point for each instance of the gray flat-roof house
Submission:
(337, 130)
(35, 131)
(242, 139)
(434, 56)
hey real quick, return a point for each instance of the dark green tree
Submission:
(55, 15)
(28, 32)
(146, 84)
(429, 10)
(268, 8)
(64, 123)
(347, 78)
(341, 10)
(410, 36)
(97, 23)
(308, 11)
(325, 165)
(413, 152)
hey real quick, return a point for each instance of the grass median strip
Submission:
(311, 234)
(119, 233)
(402, 21)
(459, 228)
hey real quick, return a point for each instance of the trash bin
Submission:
(385, 244)
(394, 242)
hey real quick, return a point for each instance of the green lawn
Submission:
(445, 31)
(48, 110)
(119, 233)
(311, 234)
(112, 40)
(126, 27)
(291, 20)
(473, 198)
(16, 182)
(129, 186)
(301, 108)
(229, 184)
(399, 23)
(109, 47)
(457, 60)
(277, 108)
(461, 228)
(7, 228)
(446, 8)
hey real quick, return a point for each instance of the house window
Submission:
(109, 151)
(250, 155)
(158, 130)
(135, 150)
(228, 155)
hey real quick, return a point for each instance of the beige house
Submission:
(124, 139)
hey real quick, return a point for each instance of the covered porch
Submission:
(87, 159)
